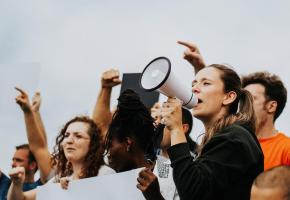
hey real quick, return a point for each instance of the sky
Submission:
(61, 49)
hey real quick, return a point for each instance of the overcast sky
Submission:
(62, 47)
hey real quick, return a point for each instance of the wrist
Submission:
(106, 87)
(176, 130)
(18, 184)
(27, 110)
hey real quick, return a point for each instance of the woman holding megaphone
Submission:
(230, 156)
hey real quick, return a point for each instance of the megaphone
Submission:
(157, 76)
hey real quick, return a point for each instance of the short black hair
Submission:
(187, 119)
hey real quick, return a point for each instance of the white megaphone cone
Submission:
(157, 76)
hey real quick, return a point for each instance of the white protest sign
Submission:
(121, 186)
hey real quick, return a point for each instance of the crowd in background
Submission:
(242, 154)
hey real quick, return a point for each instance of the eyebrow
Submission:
(203, 79)
(17, 159)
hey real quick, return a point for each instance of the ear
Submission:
(129, 143)
(271, 106)
(185, 127)
(33, 166)
(229, 98)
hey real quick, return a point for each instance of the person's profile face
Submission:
(20, 158)
(119, 156)
(209, 89)
(259, 101)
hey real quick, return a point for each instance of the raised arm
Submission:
(102, 114)
(36, 140)
(17, 176)
(193, 56)
(35, 105)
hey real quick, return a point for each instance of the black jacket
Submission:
(225, 170)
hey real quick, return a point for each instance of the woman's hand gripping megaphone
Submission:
(171, 113)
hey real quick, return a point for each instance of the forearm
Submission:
(102, 114)
(15, 192)
(35, 138)
(191, 179)
(40, 125)
(38, 145)
(177, 136)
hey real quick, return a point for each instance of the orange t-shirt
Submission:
(276, 150)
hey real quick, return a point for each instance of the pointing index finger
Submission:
(189, 45)
(20, 90)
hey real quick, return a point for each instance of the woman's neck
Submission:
(209, 122)
(77, 170)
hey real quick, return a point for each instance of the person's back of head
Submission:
(187, 120)
(131, 120)
(272, 184)
(274, 88)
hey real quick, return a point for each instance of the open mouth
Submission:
(199, 101)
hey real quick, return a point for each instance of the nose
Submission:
(13, 165)
(69, 139)
(195, 88)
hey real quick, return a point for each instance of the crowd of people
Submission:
(242, 155)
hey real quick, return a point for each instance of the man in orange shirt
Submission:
(270, 96)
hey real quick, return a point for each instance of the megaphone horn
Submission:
(157, 76)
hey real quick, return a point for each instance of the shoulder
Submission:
(105, 170)
(284, 142)
(30, 186)
(284, 137)
(237, 132)
(236, 137)
(4, 178)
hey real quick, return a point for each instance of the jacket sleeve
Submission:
(223, 160)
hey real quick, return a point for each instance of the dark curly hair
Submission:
(93, 159)
(132, 119)
(274, 88)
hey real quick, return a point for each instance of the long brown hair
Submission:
(93, 159)
(241, 110)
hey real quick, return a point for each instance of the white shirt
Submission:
(164, 171)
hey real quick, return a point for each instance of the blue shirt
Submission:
(5, 184)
